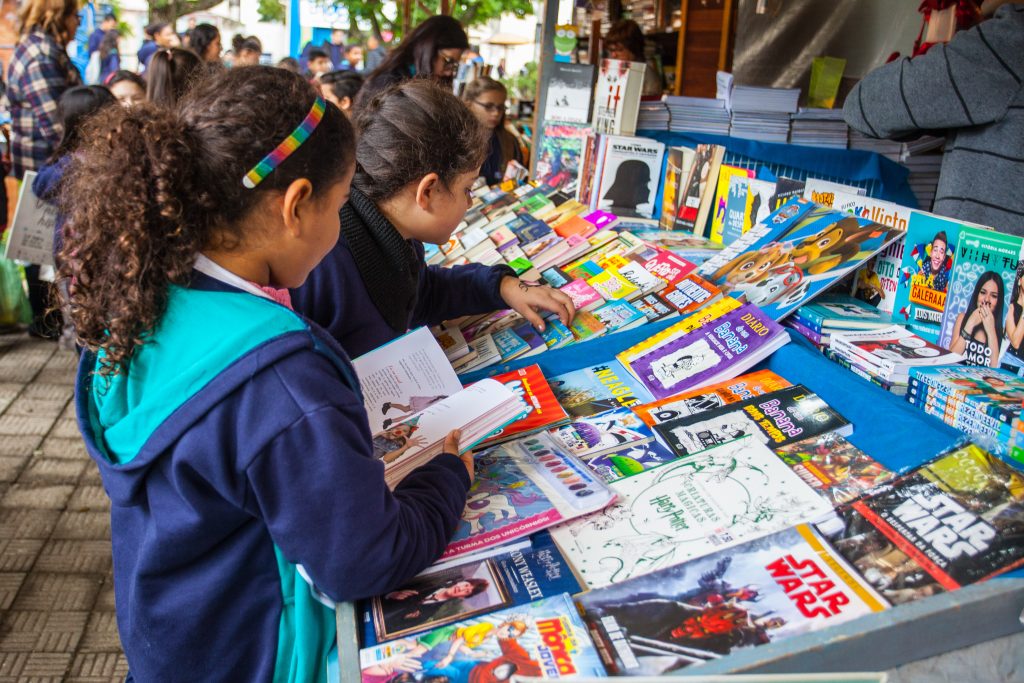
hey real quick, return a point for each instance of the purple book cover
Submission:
(600, 219)
(721, 348)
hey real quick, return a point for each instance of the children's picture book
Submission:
(556, 277)
(438, 597)
(668, 266)
(570, 93)
(758, 207)
(796, 254)
(584, 297)
(924, 273)
(617, 97)
(630, 175)
(612, 286)
(688, 508)
(641, 278)
(510, 345)
(954, 521)
(834, 467)
(710, 396)
(655, 307)
(824, 192)
(629, 460)
(776, 419)
(697, 192)
(691, 322)
(532, 337)
(585, 326)
(404, 377)
(556, 334)
(692, 293)
(619, 315)
(521, 487)
(537, 402)
(477, 410)
(587, 437)
(786, 189)
(725, 175)
(761, 591)
(597, 389)
(678, 161)
(725, 347)
(558, 165)
(485, 351)
(982, 308)
(31, 234)
(546, 639)
(891, 351)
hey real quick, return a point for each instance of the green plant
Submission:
(522, 85)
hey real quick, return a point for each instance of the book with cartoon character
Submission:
(796, 254)
(761, 591)
(688, 508)
(545, 638)
(521, 487)
(587, 437)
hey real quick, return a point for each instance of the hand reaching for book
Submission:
(529, 298)
(451, 445)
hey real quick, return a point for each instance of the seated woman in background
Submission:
(170, 75)
(625, 41)
(485, 97)
(341, 88)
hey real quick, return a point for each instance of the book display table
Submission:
(896, 434)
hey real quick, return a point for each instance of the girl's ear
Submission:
(296, 199)
(426, 190)
(345, 104)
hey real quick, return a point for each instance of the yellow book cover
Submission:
(611, 285)
(565, 211)
(688, 324)
(624, 244)
(725, 174)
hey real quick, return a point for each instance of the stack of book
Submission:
(698, 114)
(762, 113)
(832, 313)
(819, 128)
(982, 402)
(886, 356)
(896, 151)
(653, 115)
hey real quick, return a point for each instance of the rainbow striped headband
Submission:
(291, 143)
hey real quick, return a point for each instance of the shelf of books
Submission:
(782, 432)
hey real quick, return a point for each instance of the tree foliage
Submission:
(273, 10)
(468, 12)
(170, 10)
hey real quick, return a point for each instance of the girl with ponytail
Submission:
(229, 432)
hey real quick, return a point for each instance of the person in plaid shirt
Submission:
(40, 71)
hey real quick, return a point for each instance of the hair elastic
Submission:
(291, 143)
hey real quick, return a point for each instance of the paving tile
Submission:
(19, 445)
(61, 447)
(48, 392)
(53, 471)
(91, 476)
(53, 592)
(19, 554)
(55, 376)
(46, 666)
(96, 667)
(36, 407)
(10, 584)
(101, 634)
(11, 665)
(89, 498)
(74, 557)
(8, 390)
(20, 425)
(66, 360)
(11, 466)
(21, 629)
(105, 600)
(62, 632)
(38, 497)
(33, 523)
(66, 428)
(83, 526)
(19, 373)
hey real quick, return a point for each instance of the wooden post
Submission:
(723, 44)
(684, 7)
(445, 9)
(406, 17)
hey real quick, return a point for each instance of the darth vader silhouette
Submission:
(631, 186)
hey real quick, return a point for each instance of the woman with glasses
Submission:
(485, 97)
(433, 50)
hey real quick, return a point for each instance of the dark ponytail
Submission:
(150, 187)
(411, 130)
(171, 72)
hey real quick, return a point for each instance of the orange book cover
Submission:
(534, 391)
(710, 396)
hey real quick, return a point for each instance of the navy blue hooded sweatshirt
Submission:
(236, 453)
(372, 269)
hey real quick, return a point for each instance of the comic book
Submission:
(725, 347)
(890, 352)
(630, 460)
(710, 396)
(437, 597)
(761, 591)
(545, 638)
(985, 276)
(924, 273)
(620, 315)
(586, 437)
(598, 388)
(800, 251)
(558, 163)
(536, 397)
(688, 508)
(774, 419)
(691, 322)
(522, 487)
(834, 467)
(954, 521)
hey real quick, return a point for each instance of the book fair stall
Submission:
(779, 436)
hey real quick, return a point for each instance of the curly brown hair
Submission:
(150, 187)
(410, 130)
